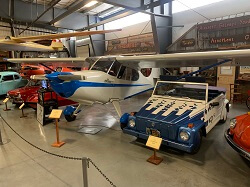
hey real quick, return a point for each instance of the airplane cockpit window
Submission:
(114, 69)
(127, 73)
(102, 65)
(122, 72)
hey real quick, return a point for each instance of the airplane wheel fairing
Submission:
(69, 113)
(70, 118)
(69, 110)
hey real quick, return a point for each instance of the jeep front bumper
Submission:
(180, 146)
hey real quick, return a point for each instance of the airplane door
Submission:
(225, 77)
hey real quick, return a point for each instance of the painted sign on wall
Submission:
(188, 42)
(230, 39)
(143, 43)
(232, 23)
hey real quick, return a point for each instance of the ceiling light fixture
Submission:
(90, 4)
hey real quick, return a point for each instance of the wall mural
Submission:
(137, 44)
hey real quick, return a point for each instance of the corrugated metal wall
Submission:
(33, 31)
(4, 31)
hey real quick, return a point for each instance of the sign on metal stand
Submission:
(85, 165)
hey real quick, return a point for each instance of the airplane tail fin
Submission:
(57, 45)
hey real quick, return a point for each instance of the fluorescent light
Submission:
(90, 4)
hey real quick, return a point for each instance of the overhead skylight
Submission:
(128, 21)
(182, 5)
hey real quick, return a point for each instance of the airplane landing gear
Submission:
(71, 112)
(70, 118)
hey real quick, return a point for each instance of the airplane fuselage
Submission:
(97, 86)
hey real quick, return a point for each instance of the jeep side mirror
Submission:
(215, 104)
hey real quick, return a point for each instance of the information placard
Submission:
(154, 142)
(55, 114)
(20, 107)
(6, 100)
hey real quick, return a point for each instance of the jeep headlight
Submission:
(233, 123)
(184, 135)
(131, 123)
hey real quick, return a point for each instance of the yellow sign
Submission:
(6, 100)
(20, 107)
(154, 142)
(55, 114)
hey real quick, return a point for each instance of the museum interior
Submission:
(125, 93)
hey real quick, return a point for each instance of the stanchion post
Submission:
(1, 141)
(85, 165)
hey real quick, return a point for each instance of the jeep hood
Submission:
(171, 110)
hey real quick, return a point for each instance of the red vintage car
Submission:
(238, 135)
(29, 95)
(20, 95)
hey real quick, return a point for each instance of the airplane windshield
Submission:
(101, 65)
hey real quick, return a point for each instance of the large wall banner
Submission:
(137, 44)
(231, 23)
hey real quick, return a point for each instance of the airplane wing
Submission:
(44, 60)
(193, 59)
(61, 35)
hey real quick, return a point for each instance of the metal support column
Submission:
(85, 165)
(97, 40)
(162, 29)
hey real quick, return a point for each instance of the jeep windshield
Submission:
(195, 91)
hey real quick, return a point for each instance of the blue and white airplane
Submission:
(112, 79)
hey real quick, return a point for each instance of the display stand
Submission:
(155, 143)
(21, 108)
(56, 114)
(45, 106)
(5, 101)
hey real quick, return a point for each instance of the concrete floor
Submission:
(119, 156)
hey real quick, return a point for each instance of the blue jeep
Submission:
(180, 113)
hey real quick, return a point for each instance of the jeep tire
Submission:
(198, 146)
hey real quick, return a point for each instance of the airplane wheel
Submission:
(70, 118)
(224, 118)
(198, 146)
